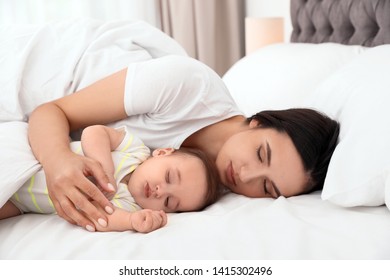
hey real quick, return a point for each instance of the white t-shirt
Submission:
(169, 98)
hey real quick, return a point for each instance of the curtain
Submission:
(211, 31)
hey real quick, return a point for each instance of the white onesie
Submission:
(33, 195)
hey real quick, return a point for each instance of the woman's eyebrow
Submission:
(269, 154)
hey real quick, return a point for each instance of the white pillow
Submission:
(358, 96)
(281, 76)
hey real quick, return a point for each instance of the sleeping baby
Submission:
(148, 185)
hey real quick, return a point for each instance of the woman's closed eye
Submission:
(266, 189)
(258, 152)
(266, 192)
(262, 154)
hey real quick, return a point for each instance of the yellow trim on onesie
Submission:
(33, 199)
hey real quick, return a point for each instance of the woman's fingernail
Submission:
(109, 210)
(111, 187)
(102, 222)
(90, 228)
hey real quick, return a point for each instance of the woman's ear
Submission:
(254, 123)
(162, 152)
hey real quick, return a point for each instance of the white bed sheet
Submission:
(236, 227)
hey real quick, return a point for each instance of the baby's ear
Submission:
(162, 152)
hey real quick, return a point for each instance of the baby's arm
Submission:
(144, 221)
(97, 142)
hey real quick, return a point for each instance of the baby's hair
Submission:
(214, 188)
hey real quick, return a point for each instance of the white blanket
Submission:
(44, 62)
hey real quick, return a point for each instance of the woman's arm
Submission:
(66, 172)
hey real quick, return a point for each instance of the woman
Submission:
(178, 101)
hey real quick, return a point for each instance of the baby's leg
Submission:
(9, 210)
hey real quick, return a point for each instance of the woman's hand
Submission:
(66, 172)
(72, 192)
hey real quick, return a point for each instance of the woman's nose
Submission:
(248, 174)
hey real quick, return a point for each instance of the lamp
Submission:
(260, 32)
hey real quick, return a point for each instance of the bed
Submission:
(338, 62)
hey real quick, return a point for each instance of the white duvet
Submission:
(44, 62)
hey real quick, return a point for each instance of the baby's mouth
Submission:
(147, 190)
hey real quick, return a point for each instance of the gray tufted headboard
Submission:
(349, 22)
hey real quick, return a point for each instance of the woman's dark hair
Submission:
(314, 136)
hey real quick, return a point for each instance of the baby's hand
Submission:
(147, 220)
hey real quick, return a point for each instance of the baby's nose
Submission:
(159, 191)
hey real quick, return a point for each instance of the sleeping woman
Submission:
(135, 75)
(177, 101)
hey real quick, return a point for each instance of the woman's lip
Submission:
(230, 174)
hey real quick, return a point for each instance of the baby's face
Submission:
(171, 182)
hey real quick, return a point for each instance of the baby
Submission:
(149, 185)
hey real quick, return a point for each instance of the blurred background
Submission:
(212, 31)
